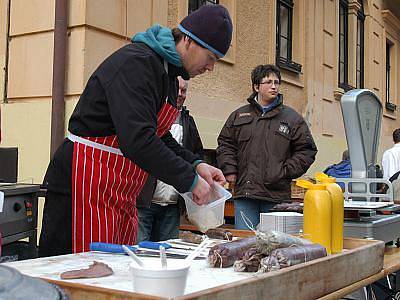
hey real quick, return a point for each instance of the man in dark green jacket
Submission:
(262, 147)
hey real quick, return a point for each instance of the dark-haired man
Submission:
(119, 133)
(391, 157)
(262, 147)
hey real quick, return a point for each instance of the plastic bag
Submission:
(271, 240)
(286, 257)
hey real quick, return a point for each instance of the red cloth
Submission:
(105, 186)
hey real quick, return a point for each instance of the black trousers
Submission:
(56, 235)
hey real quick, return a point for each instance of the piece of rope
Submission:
(246, 221)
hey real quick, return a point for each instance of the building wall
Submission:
(99, 27)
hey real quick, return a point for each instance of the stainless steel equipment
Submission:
(19, 219)
(383, 227)
(362, 115)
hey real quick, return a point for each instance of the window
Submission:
(389, 105)
(360, 48)
(343, 45)
(195, 4)
(284, 25)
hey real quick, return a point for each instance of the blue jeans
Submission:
(158, 223)
(251, 209)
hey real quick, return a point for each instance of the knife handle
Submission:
(111, 248)
(153, 245)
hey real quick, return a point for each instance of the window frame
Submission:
(199, 3)
(360, 44)
(286, 63)
(344, 82)
(388, 51)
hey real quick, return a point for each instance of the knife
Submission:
(111, 248)
(115, 248)
(157, 245)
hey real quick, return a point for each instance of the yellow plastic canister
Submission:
(317, 214)
(337, 210)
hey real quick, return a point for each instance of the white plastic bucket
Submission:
(210, 215)
(170, 282)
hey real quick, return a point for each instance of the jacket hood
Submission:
(160, 39)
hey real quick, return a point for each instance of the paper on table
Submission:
(1, 201)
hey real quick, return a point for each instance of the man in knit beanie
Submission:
(119, 134)
(203, 37)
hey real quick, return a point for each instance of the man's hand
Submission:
(231, 178)
(210, 174)
(201, 192)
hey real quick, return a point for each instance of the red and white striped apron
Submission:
(105, 186)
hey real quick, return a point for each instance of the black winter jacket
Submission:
(123, 97)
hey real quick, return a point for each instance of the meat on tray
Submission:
(224, 255)
(250, 261)
(286, 257)
(95, 270)
(219, 233)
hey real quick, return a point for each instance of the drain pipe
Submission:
(59, 65)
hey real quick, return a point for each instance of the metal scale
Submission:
(362, 115)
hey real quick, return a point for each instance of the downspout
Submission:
(7, 53)
(59, 65)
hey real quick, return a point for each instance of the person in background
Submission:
(262, 147)
(391, 157)
(119, 133)
(395, 180)
(341, 169)
(159, 204)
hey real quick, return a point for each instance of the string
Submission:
(246, 221)
(220, 259)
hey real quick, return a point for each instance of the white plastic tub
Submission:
(210, 215)
(154, 280)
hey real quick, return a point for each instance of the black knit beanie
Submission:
(211, 27)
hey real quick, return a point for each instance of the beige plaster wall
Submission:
(98, 27)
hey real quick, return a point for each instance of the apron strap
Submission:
(166, 66)
(166, 70)
(74, 138)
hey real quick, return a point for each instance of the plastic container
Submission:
(317, 213)
(337, 199)
(210, 215)
(154, 280)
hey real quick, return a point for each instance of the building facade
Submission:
(324, 48)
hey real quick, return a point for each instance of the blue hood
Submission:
(160, 39)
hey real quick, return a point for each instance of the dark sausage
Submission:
(224, 255)
(219, 233)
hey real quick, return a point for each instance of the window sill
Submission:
(390, 106)
(288, 65)
(338, 93)
(346, 87)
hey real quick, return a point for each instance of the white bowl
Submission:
(170, 282)
(210, 215)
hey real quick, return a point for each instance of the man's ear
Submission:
(256, 87)
(187, 40)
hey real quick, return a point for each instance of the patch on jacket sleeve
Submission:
(284, 128)
(244, 114)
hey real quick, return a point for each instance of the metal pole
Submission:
(60, 49)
